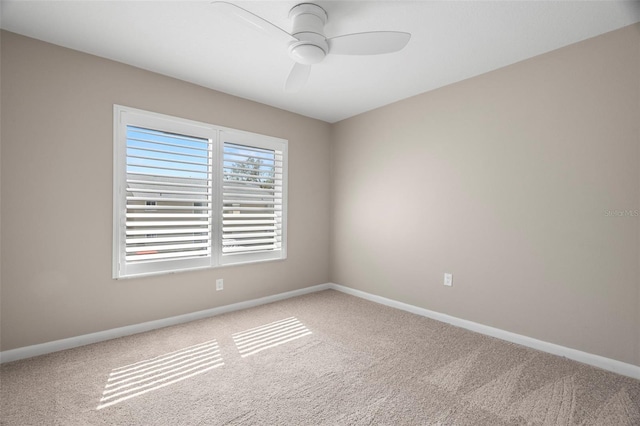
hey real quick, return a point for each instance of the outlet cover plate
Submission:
(448, 279)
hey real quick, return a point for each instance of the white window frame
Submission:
(217, 135)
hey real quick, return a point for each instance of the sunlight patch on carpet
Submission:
(145, 376)
(267, 336)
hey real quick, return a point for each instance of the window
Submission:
(194, 195)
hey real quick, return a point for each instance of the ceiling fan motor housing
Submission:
(308, 27)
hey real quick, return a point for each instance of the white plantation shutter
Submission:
(192, 195)
(252, 200)
(169, 179)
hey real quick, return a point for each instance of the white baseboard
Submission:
(608, 364)
(74, 342)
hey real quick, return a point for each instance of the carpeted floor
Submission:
(324, 358)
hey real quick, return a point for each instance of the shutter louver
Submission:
(252, 199)
(168, 196)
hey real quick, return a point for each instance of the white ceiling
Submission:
(192, 41)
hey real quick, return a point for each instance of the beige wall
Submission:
(504, 180)
(57, 204)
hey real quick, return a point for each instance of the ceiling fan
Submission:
(307, 43)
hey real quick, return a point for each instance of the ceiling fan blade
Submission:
(254, 20)
(297, 77)
(371, 43)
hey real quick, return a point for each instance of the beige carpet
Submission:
(325, 358)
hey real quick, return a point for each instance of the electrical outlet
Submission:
(219, 284)
(448, 279)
